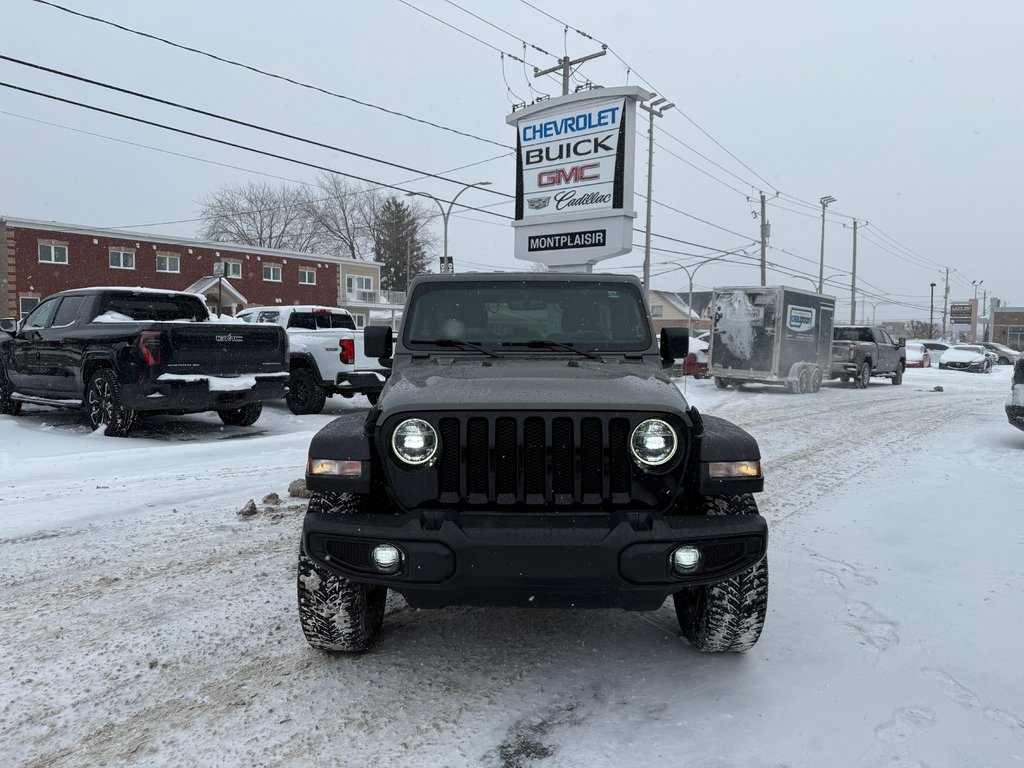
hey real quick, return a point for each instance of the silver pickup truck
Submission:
(326, 355)
(862, 351)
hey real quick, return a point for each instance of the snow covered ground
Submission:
(144, 622)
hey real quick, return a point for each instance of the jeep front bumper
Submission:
(598, 560)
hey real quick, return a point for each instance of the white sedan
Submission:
(966, 357)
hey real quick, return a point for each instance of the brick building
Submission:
(1008, 326)
(38, 258)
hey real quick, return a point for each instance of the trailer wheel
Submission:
(816, 379)
(804, 382)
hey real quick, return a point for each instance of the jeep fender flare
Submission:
(344, 439)
(724, 441)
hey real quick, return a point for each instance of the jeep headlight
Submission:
(653, 442)
(414, 441)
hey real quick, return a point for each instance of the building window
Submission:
(233, 269)
(307, 276)
(166, 262)
(26, 304)
(1015, 336)
(359, 288)
(656, 310)
(272, 273)
(122, 259)
(53, 254)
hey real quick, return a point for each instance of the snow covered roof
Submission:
(207, 286)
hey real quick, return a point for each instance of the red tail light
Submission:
(348, 351)
(149, 347)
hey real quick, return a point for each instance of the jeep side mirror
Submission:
(902, 342)
(675, 343)
(378, 341)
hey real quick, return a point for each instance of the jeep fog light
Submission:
(653, 442)
(414, 441)
(685, 559)
(727, 469)
(387, 558)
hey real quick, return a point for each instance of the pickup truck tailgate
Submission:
(225, 349)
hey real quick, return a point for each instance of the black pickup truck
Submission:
(862, 351)
(121, 352)
(530, 449)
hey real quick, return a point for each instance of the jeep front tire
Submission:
(338, 614)
(727, 616)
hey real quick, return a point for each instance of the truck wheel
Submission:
(721, 383)
(863, 376)
(103, 401)
(7, 405)
(338, 614)
(305, 394)
(241, 417)
(727, 616)
(898, 376)
(816, 379)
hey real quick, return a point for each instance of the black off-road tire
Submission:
(863, 376)
(338, 614)
(305, 393)
(8, 406)
(898, 376)
(727, 616)
(104, 407)
(241, 417)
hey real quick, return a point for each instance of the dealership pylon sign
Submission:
(574, 177)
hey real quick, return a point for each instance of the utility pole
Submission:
(655, 109)
(564, 64)
(765, 234)
(984, 313)
(853, 278)
(945, 304)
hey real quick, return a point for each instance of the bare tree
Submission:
(345, 212)
(261, 215)
(919, 329)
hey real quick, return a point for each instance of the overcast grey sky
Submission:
(909, 113)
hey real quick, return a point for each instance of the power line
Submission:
(500, 29)
(234, 121)
(226, 143)
(266, 73)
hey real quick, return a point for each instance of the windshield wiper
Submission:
(475, 346)
(549, 344)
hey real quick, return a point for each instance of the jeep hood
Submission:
(556, 384)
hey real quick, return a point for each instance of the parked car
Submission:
(696, 361)
(118, 353)
(1015, 402)
(1004, 354)
(935, 348)
(918, 355)
(966, 357)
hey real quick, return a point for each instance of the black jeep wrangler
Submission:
(529, 449)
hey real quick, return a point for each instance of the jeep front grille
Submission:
(535, 459)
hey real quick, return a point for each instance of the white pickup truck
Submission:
(326, 355)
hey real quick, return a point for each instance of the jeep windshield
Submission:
(572, 315)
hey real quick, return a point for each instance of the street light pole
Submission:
(974, 316)
(931, 313)
(690, 272)
(821, 266)
(446, 264)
